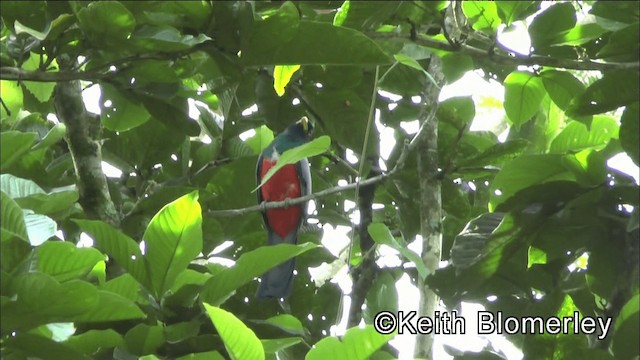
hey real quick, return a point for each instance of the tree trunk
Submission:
(430, 203)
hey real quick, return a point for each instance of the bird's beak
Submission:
(304, 121)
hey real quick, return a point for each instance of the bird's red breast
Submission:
(282, 185)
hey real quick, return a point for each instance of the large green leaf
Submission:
(164, 38)
(283, 39)
(576, 137)
(550, 24)
(483, 15)
(124, 250)
(357, 344)
(249, 266)
(64, 261)
(282, 75)
(286, 322)
(39, 299)
(106, 21)
(39, 227)
(622, 45)
(12, 97)
(40, 347)
(123, 113)
(510, 11)
(173, 239)
(144, 339)
(92, 341)
(111, 307)
(12, 219)
(381, 235)
(240, 341)
(525, 171)
(14, 144)
(615, 88)
(523, 93)
(561, 87)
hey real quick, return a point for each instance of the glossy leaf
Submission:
(522, 96)
(248, 266)
(357, 343)
(64, 261)
(240, 341)
(173, 239)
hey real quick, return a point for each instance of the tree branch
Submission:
(301, 200)
(513, 58)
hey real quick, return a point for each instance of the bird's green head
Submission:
(295, 135)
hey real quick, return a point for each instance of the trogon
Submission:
(291, 181)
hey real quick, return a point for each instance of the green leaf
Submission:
(42, 91)
(408, 61)
(357, 344)
(40, 347)
(164, 38)
(483, 15)
(17, 187)
(249, 266)
(381, 235)
(550, 24)
(561, 86)
(106, 20)
(13, 100)
(626, 328)
(173, 239)
(616, 88)
(288, 323)
(64, 261)
(455, 65)
(342, 13)
(126, 286)
(576, 137)
(118, 246)
(510, 11)
(144, 339)
(123, 113)
(39, 227)
(262, 139)
(536, 256)
(579, 35)
(629, 130)
(239, 340)
(622, 45)
(12, 224)
(458, 111)
(13, 145)
(523, 95)
(54, 135)
(111, 307)
(92, 341)
(272, 346)
(270, 44)
(38, 299)
(172, 113)
(315, 147)
(525, 171)
(497, 154)
(282, 75)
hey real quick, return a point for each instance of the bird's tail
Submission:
(277, 282)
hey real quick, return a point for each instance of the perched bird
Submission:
(291, 181)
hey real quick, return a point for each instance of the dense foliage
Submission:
(552, 228)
